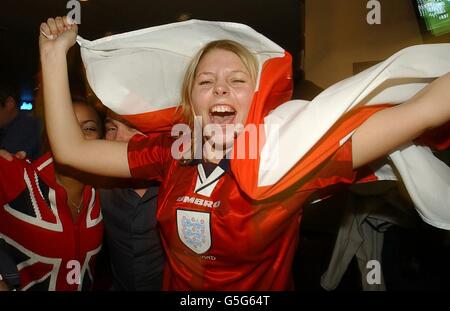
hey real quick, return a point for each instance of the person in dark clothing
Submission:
(19, 131)
(129, 213)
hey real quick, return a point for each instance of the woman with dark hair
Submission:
(50, 220)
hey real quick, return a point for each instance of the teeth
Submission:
(222, 108)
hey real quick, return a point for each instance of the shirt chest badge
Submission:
(194, 230)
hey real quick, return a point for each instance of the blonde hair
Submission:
(248, 59)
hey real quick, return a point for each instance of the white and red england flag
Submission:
(139, 75)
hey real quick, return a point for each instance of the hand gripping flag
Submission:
(139, 75)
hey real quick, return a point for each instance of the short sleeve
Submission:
(337, 169)
(149, 156)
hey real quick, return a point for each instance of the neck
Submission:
(74, 190)
(140, 192)
(70, 184)
(213, 155)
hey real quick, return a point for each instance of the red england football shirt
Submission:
(215, 237)
(51, 251)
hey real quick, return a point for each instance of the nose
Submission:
(221, 89)
(110, 135)
(121, 136)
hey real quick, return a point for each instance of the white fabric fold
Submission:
(315, 118)
(394, 81)
(141, 71)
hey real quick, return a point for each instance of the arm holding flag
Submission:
(387, 129)
(67, 143)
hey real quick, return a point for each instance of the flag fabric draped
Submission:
(139, 75)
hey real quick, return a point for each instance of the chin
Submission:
(221, 141)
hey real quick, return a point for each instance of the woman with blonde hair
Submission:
(216, 235)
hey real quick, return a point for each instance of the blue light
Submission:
(26, 106)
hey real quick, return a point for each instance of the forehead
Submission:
(112, 121)
(218, 58)
(113, 117)
(85, 112)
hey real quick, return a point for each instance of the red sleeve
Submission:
(337, 169)
(149, 156)
(11, 179)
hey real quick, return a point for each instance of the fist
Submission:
(58, 32)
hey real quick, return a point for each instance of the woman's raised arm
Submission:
(68, 145)
(392, 127)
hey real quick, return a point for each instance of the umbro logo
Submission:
(198, 201)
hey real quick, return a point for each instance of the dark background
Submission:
(20, 19)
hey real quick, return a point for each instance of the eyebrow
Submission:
(109, 123)
(87, 121)
(211, 73)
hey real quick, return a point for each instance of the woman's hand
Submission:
(57, 33)
(8, 156)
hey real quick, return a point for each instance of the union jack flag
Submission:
(41, 237)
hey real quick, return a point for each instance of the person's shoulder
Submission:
(162, 139)
(14, 168)
(15, 162)
(163, 136)
(42, 164)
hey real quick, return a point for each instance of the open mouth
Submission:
(222, 114)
